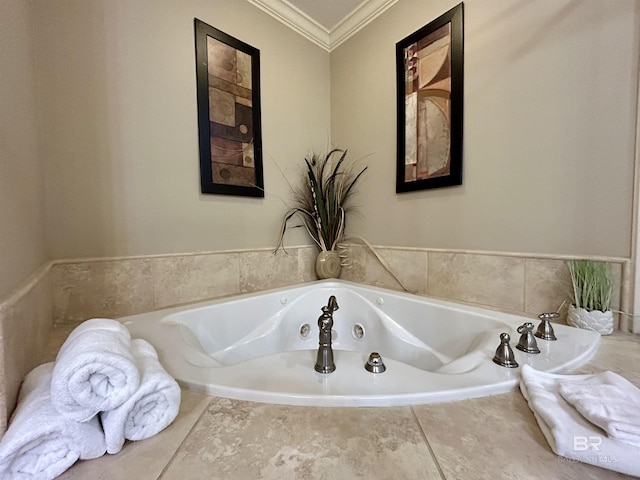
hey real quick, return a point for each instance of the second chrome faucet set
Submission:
(504, 355)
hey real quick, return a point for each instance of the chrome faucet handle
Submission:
(545, 330)
(327, 312)
(504, 355)
(325, 322)
(527, 341)
(332, 305)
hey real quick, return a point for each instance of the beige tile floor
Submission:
(486, 438)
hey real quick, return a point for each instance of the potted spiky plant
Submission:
(592, 287)
(322, 202)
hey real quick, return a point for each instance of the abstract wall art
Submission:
(429, 71)
(229, 126)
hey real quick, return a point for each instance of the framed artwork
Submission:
(429, 70)
(229, 127)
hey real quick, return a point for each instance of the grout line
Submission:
(426, 274)
(173, 456)
(525, 264)
(426, 441)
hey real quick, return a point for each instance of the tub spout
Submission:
(324, 360)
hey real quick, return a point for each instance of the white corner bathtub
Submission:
(262, 347)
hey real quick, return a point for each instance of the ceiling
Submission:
(327, 23)
(327, 13)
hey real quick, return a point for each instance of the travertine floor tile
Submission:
(144, 460)
(619, 353)
(243, 440)
(497, 438)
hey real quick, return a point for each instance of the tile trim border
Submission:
(26, 286)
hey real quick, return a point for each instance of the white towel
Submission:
(40, 444)
(94, 370)
(569, 434)
(609, 401)
(150, 409)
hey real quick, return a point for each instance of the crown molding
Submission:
(303, 24)
(295, 19)
(357, 20)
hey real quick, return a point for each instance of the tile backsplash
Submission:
(125, 286)
(25, 325)
(71, 291)
(524, 284)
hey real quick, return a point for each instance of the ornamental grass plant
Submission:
(323, 199)
(592, 284)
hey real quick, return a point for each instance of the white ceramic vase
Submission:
(601, 322)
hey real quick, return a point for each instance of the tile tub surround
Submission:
(25, 325)
(479, 439)
(523, 284)
(115, 287)
(72, 291)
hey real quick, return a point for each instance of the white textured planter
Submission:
(601, 322)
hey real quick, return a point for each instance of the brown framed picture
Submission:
(229, 126)
(429, 71)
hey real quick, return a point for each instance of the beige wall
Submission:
(22, 247)
(550, 97)
(549, 128)
(118, 90)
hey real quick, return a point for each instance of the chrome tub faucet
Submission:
(324, 361)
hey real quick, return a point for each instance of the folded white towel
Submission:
(150, 409)
(609, 401)
(569, 434)
(94, 370)
(40, 444)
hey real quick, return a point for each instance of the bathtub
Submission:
(262, 347)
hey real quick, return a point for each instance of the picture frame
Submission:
(429, 76)
(229, 117)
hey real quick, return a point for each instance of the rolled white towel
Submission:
(150, 409)
(94, 370)
(568, 433)
(609, 401)
(40, 444)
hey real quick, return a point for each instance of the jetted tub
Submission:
(262, 347)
